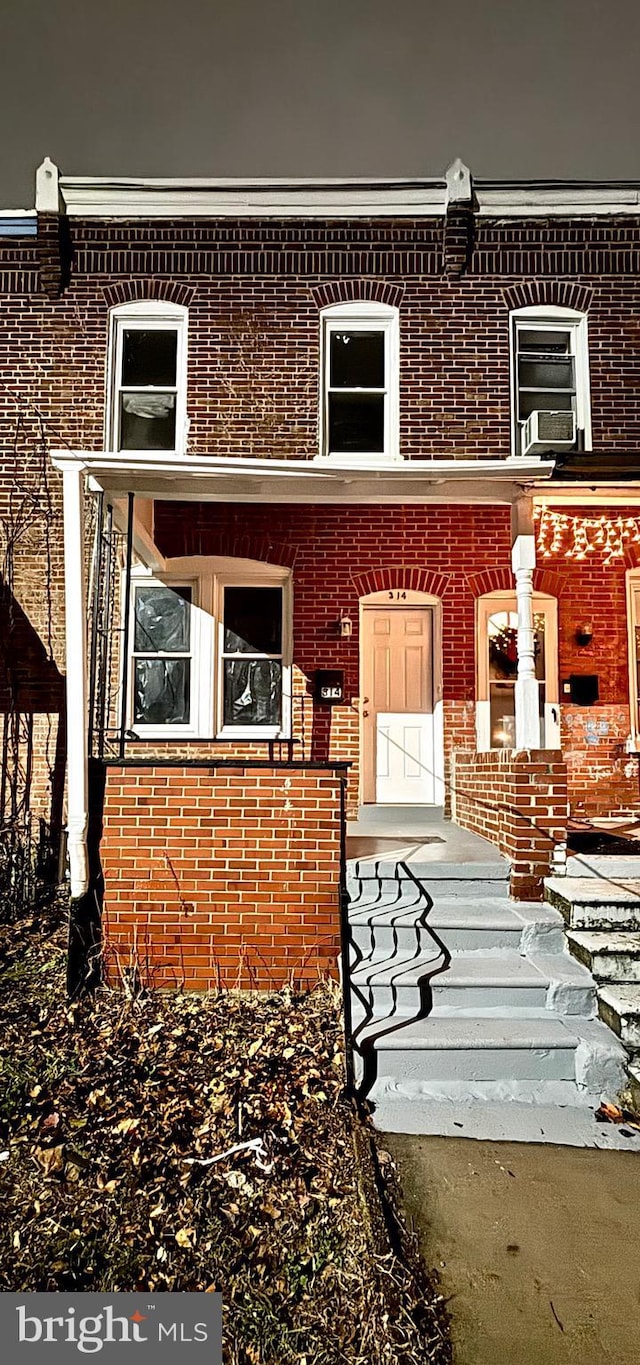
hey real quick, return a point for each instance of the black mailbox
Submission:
(329, 685)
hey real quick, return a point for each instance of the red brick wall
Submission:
(519, 802)
(219, 876)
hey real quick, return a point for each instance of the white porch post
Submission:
(76, 666)
(523, 560)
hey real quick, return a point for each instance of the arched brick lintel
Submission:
(140, 291)
(501, 580)
(400, 576)
(265, 551)
(558, 293)
(353, 291)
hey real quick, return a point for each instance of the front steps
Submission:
(602, 912)
(469, 1014)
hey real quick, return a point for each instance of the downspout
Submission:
(76, 668)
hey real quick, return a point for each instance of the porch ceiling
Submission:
(222, 479)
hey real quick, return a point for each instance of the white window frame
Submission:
(549, 318)
(149, 315)
(363, 316)
(633, 621)
(208, 576)
(504, 600)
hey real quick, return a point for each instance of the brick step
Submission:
(590, 903)
(609, 956)
(619, 1007)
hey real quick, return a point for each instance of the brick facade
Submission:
(519, 802)
(221, 876)
(254, 292)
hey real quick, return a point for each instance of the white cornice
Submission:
(101, 198)
(557, 200)
(220, 479)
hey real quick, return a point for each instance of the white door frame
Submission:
(408, 597)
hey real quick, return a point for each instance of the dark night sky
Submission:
(518, 88)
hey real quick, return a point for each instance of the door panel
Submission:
(397, 673)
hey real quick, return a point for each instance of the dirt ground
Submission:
(537, 1247)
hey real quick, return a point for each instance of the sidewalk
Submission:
(536, 1246)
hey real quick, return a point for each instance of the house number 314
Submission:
(398, 596)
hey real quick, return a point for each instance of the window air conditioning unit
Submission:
(548, 431)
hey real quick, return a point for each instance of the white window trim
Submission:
(548, 317)
(633, 620)
(487, 606)
(148, 315)
(207, 576)
(359, 316)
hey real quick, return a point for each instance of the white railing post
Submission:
(76, 668)
(523, 560)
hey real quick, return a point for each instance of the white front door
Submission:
(398, 723)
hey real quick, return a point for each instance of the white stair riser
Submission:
(434, 888)
(382, 938)
(589, 916)
(484, 1064)
(405, 1000)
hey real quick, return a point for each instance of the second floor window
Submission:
(360, 381)
(550, 381)
(148, 378)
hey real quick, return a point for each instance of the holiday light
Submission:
(578, 537)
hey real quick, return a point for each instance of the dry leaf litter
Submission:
(181, 1142)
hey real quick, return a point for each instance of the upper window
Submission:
(550, 381)
(360, 381)
(147, 408)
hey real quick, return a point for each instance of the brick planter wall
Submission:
(519, 802)
(221, 876)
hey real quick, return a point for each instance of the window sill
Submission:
(357, 461)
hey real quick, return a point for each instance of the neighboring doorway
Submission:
(400, 690)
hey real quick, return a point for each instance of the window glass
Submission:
(252, 685)
(162, 662)
(356, 423)
(502, 643)
(357, 360)
(147, 421)
(253, 620)
(149, 357)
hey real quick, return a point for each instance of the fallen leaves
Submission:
(176, 1143)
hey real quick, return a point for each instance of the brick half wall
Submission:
(219, 876)
(519, 802)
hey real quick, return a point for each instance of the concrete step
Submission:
(633, 1083)
(610, 956)
(608, 866)
(434, 1054)
(619, 1007)
(562, 1123)
(488, 982)
(473, 1049)
(591, 903)
(442, 878)
(462, 925)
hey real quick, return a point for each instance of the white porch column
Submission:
(523, 560)
(76, 665)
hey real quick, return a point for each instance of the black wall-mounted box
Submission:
(329, 685)
(581, 689)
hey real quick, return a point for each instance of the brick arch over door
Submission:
(196, 538)
(138, 291)
(558, 294)
(501, 580)
(357, 291)
(399, 576)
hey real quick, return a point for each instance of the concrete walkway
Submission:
(536, 1247)
(418, 834)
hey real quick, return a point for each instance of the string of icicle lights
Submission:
(579, 537)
